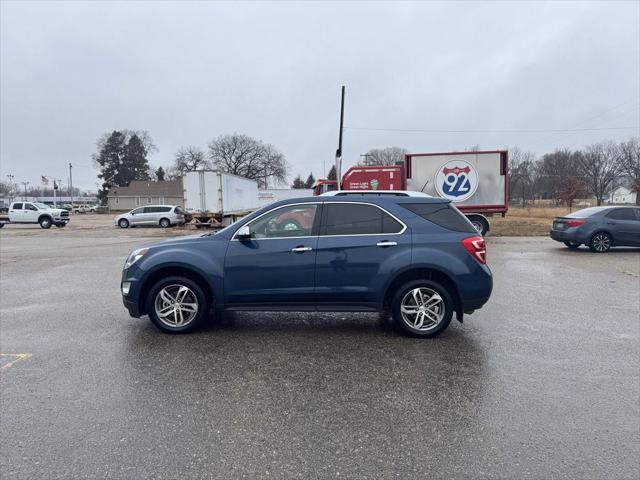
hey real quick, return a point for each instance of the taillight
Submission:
(475, 246)
(576, 223)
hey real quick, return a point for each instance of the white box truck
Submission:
(476, 182)
(216, 199)
(271, 195)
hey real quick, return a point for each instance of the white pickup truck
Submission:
(35, 212)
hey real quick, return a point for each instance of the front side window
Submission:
(289, 221)
(29, 206)
(357, 219)
(137, 211)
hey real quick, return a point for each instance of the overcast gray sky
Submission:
(188, 72)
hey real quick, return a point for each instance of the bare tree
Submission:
(554, 169)
(629, 160)
(385, 156)
(188, 159)
(571, 188)
(248, 157)
(599, 167)
(522, 174)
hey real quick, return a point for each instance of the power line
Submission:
(559, 130)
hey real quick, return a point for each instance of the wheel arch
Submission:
(423, 273)
(604, 230)
(169, 271)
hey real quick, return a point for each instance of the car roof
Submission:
(378, 193)
(377, 200)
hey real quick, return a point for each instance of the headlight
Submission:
(135, 256)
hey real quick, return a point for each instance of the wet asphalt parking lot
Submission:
(544, 382)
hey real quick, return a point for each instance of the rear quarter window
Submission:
(442, 214)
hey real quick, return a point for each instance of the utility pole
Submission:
(71, 185)
(25, 189)
(10, 177)
(339, 150)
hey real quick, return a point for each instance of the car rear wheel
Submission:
(45, 222)
(422, 308)
(165, 223)
(600, 242)
(123, 223)
(572, 245)
(177, 305)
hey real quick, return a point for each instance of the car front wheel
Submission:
(600, 242)
(45, 222)
(422, 308)
(123, 223)
(177, 305)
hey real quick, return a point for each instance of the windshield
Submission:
(42, 206)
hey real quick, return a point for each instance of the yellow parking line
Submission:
(15, 356)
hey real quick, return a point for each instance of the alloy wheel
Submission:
(601, 242)
(422, 309)
(176, 305)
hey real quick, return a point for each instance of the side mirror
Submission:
(243, 233)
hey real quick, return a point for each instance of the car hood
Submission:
(188, 239)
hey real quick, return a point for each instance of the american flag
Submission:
(45, 180)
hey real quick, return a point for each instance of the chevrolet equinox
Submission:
(418, 257)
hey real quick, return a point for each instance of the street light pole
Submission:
(25, 189)
(10, 177)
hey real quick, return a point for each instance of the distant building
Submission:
(142, 192)
(623, 195)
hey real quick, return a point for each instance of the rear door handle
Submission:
(386, 243)
(301, 249)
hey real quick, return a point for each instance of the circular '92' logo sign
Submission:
(456, 180)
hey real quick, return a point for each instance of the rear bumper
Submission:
(576, 237)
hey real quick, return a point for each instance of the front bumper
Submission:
(132, 307)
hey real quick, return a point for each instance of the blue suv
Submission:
(418, 257)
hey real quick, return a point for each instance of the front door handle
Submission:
(386, 243)
(301, 249)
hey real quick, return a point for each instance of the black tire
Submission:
(1, 225)
(479, 223)
(447, 313)
(202, 304)
(61, 225)
(572, 245)
(600, 242)
(45, 222)
(123, 223)
(165, 223)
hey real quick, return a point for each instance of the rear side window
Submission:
(622, 214)
(357, 219)
(17, 206)
(443, 214)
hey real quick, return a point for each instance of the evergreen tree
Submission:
(121, 157)
(310, 181)
(160, 174)
(298, 182)
(135, 165)
(332, 174)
